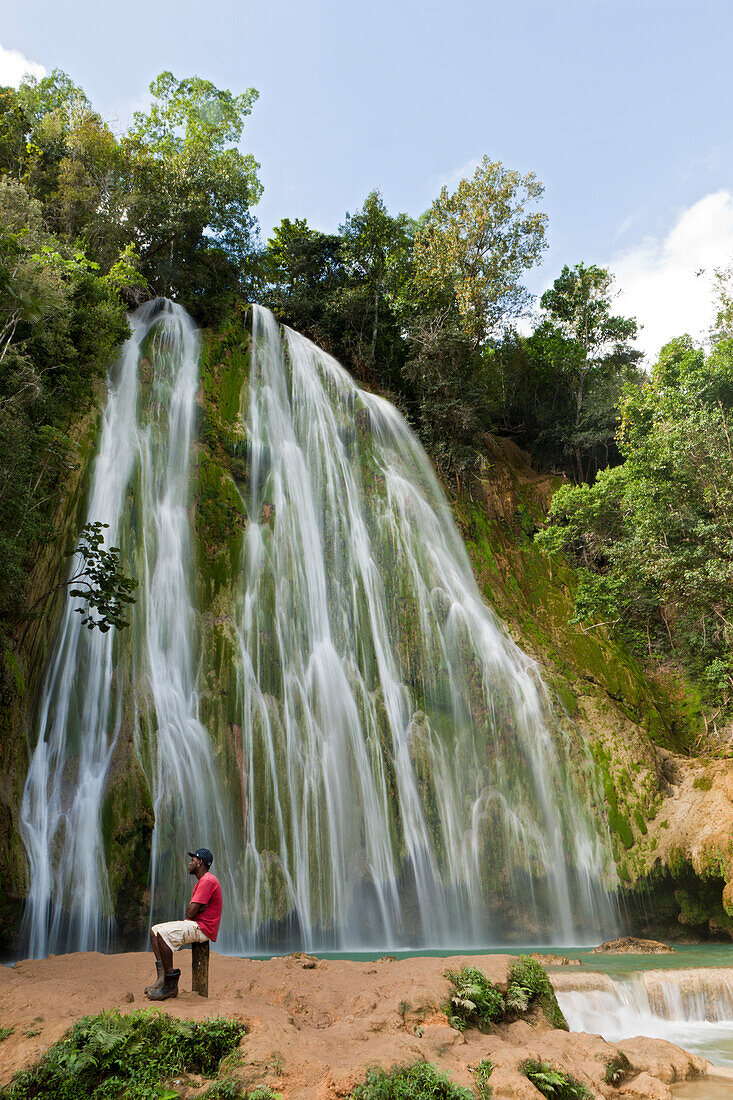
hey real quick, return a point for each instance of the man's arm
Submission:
(193, 909)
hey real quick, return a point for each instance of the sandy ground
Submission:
(316, 1025)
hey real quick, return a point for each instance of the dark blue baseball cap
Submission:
(204, 855)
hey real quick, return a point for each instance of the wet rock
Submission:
(632, 945)
(646, 1087)
(555, 960)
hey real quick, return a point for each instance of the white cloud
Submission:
(658, 279)
(453, 178)
(13, 67)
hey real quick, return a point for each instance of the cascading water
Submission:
(140, 489)
(692, 1008)
(404, 783)
(402, 780)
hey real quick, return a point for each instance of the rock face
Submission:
(632, 945)
(670, 816)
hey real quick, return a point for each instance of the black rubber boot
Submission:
(158, 983)
(169, 988)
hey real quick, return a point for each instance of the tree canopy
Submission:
(476, 243)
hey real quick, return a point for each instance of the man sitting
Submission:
(203, 916)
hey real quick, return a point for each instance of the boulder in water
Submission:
(556, 960)
(632, 945)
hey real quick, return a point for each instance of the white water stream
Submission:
(403, 780)
(691, 1008)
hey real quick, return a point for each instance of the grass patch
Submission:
(6, 1032)
(421, 1081)
(109, 1056)
(553, 1082)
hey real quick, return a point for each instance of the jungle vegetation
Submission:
(423, 309)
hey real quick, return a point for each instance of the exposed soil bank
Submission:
(316, 1028)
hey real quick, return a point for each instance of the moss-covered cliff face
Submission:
(670, 814)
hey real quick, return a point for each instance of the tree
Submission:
(378, 255)
(190, 188)
(653, 538)
(592, 352)
(579, 302)
(475, 244)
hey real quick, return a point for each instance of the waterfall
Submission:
(402, 779)
(692, 1008)
(406, 781)
(139, 487)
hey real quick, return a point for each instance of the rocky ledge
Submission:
(316, 1025)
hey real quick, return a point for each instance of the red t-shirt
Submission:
(207, 891)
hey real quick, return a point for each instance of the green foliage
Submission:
(557, 391)
(167, 205)
(475, 1001)
(61, 323)
(617, 1069)
(421, 1081)
(529, 985)
(131, 1055)
(702, 782)
(553, 1082)
(481, 1074)
(652, 538)
(6, 1032)
(190, 189)
(104, 587)
(475, 244)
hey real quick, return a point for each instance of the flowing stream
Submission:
(691, 1008)
(402, 779)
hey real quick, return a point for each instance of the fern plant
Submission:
(528, 985)
(133, 1055)
(552, 1082)
(475, 1000)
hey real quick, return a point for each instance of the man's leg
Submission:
(163, 953)
(159, 971)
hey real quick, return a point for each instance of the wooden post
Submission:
(200, 968)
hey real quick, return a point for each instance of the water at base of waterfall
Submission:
(392, 773)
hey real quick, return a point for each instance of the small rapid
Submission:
(692, 1008)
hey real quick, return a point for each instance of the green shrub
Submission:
(617, 1069)
(481, 1075)
(553, 1082)
(111, 1055)
(421, 1081)
(475, 1001)
(528, 985)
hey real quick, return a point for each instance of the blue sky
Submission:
(621, 107)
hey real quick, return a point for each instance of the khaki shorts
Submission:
(177, 933)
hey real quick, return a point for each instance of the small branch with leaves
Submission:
(99, 581)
